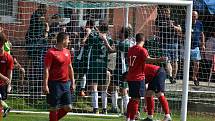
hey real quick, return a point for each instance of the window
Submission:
(8, 11)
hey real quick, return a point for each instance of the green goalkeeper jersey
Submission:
(97, 53)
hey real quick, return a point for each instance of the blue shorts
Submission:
(136, 88)
(195, 54)
(59, 94)
(157, 84)
(170, 51)
(3, 92)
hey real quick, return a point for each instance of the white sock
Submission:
(168, 115)
(132, 120)
(83, 82)
(125, 102)
(150, 116)
(95, 99)
(127, 119)
(114, 98)
(104, 100)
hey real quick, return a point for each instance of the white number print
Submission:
(132, 60)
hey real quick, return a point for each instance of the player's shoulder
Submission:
(7, 54)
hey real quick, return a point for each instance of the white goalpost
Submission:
(189, 6)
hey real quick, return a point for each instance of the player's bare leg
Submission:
(195, 72)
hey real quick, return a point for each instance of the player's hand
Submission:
(45, 89)
(102, 36)
(88, 30)
(72, 86)
(163, 59)
(9, 88)
(22, 70)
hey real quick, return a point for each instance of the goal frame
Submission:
(188, 25)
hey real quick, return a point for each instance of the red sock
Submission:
(164, 104)
(129, 109)
(150, 105)
(61, 113)
(53, 116)
(134, 109)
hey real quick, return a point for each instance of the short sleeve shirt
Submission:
(6, 64)
(136, 60)
(58, 61)
(197, 29)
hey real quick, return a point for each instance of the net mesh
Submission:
(29, 44)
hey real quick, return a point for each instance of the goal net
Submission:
(32, 26)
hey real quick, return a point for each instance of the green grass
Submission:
(44, 117)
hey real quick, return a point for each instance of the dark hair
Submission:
(139, 37)
(127, 32)
(103, 26)
(61, 36)
(42, 6)
(90, 23)
(42, 9)
(56, 16)
(3, 38)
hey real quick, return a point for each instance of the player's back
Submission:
(150, 71)
(136, 60)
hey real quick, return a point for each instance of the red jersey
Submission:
(136, 60)
(6, 64)
(150, 72)
(58, 61)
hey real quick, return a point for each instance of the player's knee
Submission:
(149, 93)
(68, 108)
(159, 94)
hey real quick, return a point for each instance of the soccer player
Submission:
(197, 44)
(137, 57)
(122, 46)
(155, 78)
(99, 44)
(6, 67)
(59, 79)
(81, 60)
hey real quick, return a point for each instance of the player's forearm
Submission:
(202, 39)
(151, 60)
(155, 60)
(71, 74)
(111, 49)
(45, 78)
(9, 75)
(2, 77)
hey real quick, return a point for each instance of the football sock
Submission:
(83, 82)
(95, 99)
(164, 104)
(4, 104)
(104, 100)
(53, 116)
(132, 108)
(125, 100)
(114, 98)
(150, 105)
(61, 113)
